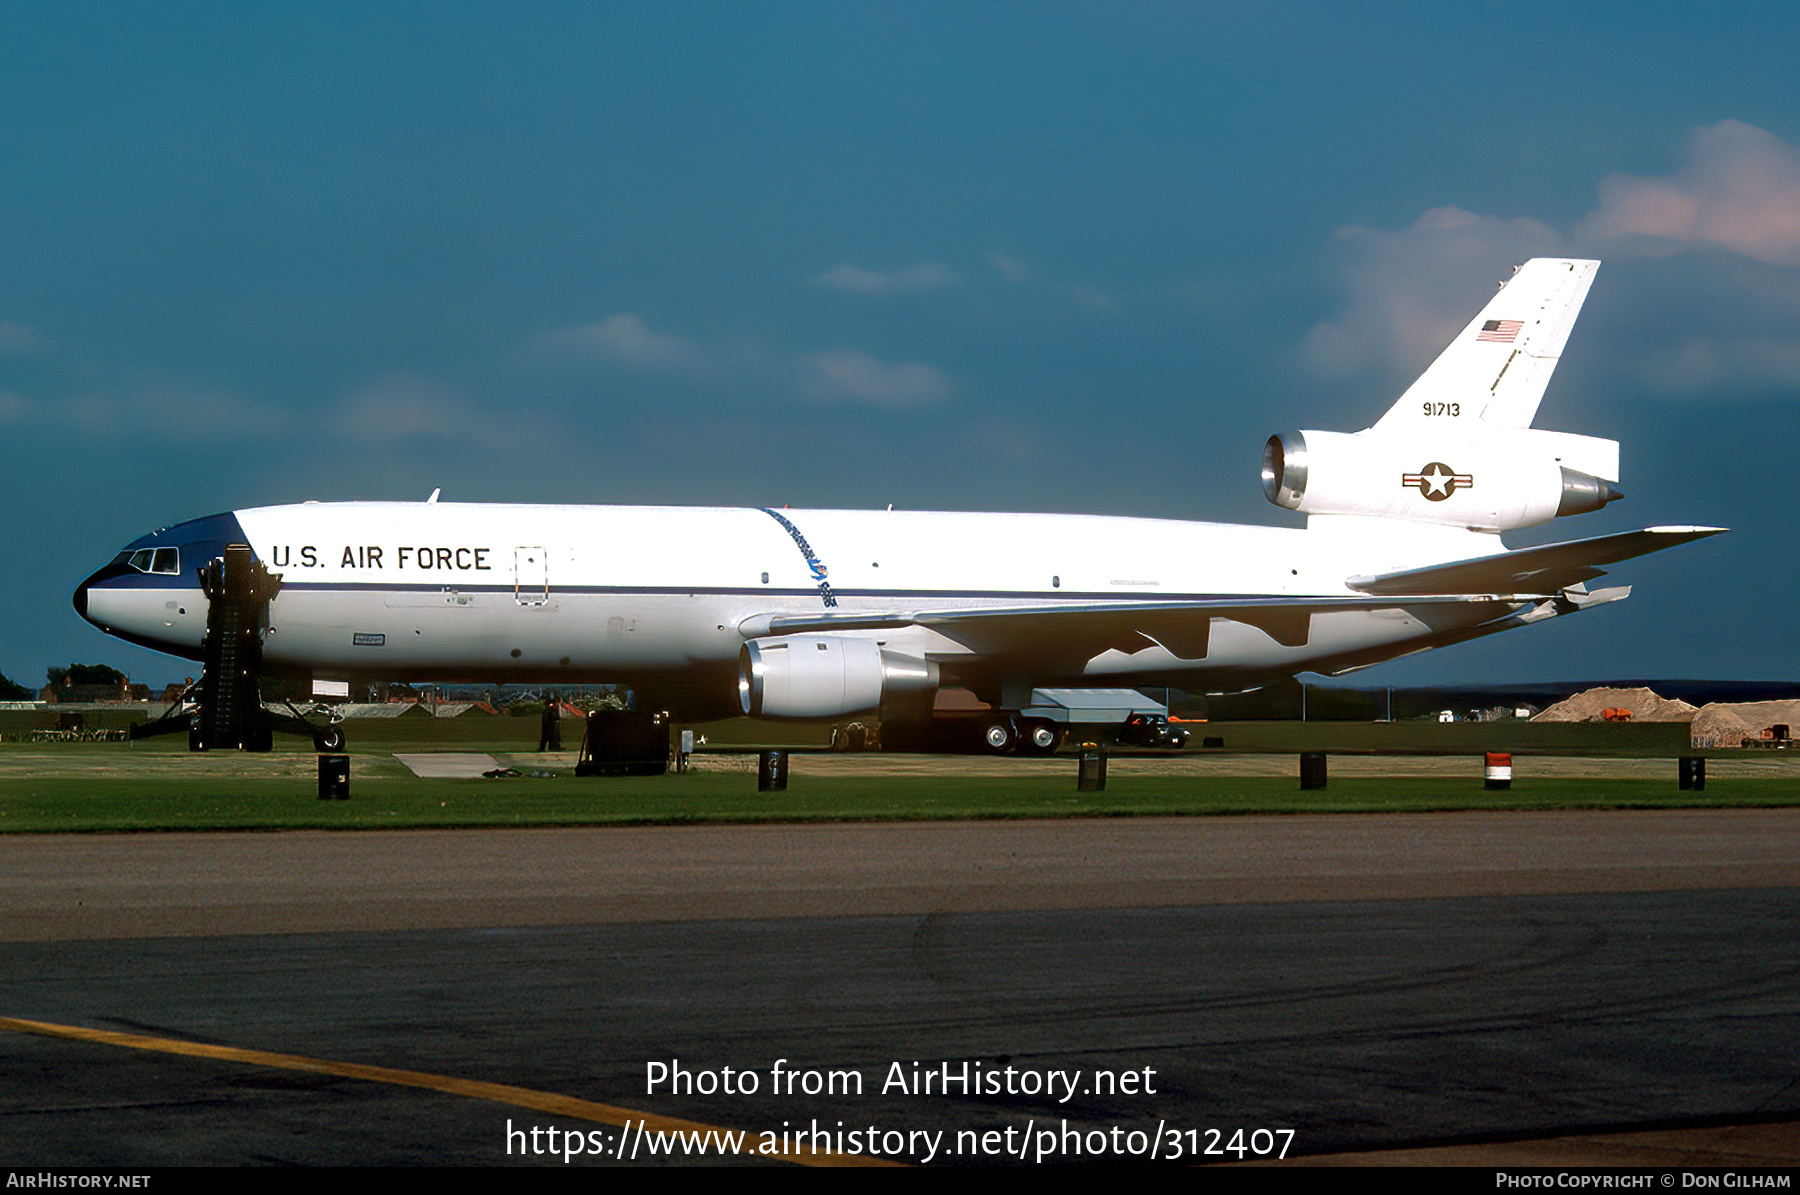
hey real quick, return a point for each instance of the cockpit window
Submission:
(156, 560)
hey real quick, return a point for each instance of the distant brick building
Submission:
(120, 693)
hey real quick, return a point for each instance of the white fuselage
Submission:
(600, 593)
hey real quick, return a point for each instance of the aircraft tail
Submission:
(1458, 448)
(1497, 368)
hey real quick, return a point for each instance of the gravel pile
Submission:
(1644, 704)
(1728, 724)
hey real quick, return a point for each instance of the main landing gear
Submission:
(1004, 732)
(998, 732)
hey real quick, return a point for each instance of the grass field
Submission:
(108, 787)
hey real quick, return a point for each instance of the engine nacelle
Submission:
(1509, 478)
(823, 676)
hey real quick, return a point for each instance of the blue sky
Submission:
(1012, 256)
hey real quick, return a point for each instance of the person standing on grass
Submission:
(551, 737)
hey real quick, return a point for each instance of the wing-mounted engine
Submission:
(824, 676)
(1505, 479)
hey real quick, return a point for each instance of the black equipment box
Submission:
(624, 743)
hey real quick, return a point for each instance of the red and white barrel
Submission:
(1499, 769)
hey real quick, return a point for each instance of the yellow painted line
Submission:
(500, 1093)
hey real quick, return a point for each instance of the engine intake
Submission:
(823, 676)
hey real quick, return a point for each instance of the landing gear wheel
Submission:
(999, 735)
(1040, 736)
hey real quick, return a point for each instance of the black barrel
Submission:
(334, 777)
(1092, 776)
(771, 771)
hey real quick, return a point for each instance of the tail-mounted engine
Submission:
(823, 676)
(1508, 478)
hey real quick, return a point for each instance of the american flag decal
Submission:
(1500, 331)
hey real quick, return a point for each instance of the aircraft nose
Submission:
(98, 579)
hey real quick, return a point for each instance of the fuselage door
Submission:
(531, 576)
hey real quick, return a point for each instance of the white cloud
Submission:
(1699, 366)
(855, 376)
(1739, 190)
(17, 338)
(1011, 269)
(624, 339)
(1090, 297)
(405, 406)
(163, 413)
(399, 406)
(931, 275)
(220, 413)
(747, 368)
(1410, 290)
(926, 275)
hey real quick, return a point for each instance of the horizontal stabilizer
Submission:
(1540, 570)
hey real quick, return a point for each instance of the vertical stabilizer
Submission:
(1458, 449)
(1496, 369)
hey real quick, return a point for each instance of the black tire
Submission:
(999, 735)
(329, 740)
(1040, 736)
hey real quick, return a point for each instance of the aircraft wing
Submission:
(1081, 630)
(1085, 629)
(1540, 570)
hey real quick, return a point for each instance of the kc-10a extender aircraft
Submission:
(780, 613)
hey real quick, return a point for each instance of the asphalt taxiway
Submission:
(1368, 982)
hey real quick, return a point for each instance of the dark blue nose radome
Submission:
(131, 595)
(118, 567)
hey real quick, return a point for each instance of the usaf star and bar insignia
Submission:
(1437, 481)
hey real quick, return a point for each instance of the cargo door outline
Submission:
(531, 576)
